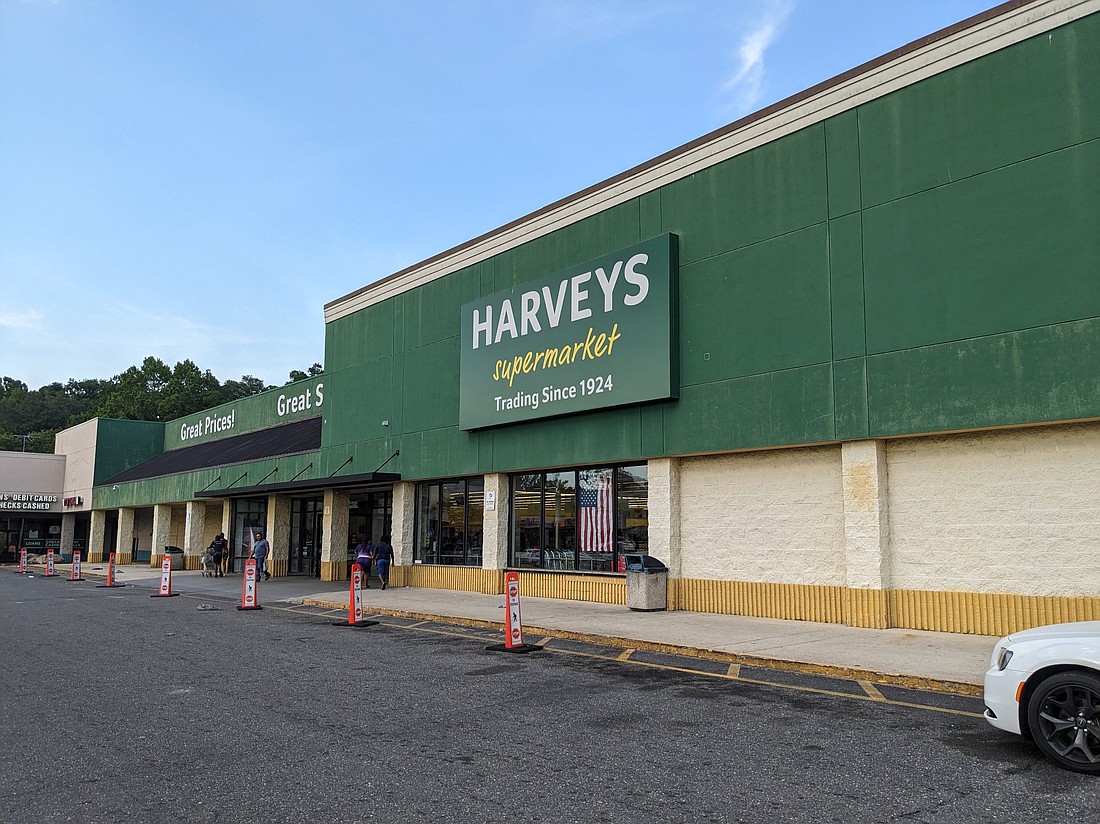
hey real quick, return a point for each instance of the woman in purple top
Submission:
(364, 556)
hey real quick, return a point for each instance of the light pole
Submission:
(25, 439)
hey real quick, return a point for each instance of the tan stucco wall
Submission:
(775, 516)
(1008, 511)
(77, 444)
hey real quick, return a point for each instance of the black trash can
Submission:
(646, 583)
(176, 554)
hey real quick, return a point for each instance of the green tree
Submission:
(137, 392)
(41, 413)
(188, 390)
(297, 375)
(247, 385)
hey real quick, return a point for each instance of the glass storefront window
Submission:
(249, 517)
(632, 508)
(527, 520)
(559, 522)
(579, 519)
(449, 522)
(426, 548)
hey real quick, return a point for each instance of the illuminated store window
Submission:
(579, 519)
(450, 517)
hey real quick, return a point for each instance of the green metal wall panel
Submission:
(123, 444)
(1009, 249)
(1036, 97)
(430, 390)
(587, 239)
(434, 453)
(760, 308)
(1049, 373)
(850, 399)
(774, 189)
(849, 323)
(593, 437)
(774, 409)
(360, 399)
(842, 153)
(369, 338)
(421, 323)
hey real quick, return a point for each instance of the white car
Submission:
(1044, 683)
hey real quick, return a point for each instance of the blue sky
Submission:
(197, 179)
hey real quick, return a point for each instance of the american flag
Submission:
(597, 516)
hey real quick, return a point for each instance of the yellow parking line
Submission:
(871, 691)
(733, 672)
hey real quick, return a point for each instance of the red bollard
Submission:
(513, 626)
(75, 574)
(165, 590)
(249, 597)
(355, 601)
(49, 573)
(110, 574)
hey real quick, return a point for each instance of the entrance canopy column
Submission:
(278, 534)
(124, 541)
(404, 510)
(97, 531)
(68, 531)
(162, 532)
(494, 543)
(334, 536)
(194, 537)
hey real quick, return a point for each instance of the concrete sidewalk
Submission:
(947, 662)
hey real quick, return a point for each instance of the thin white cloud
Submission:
(28, 319)
(747, 82)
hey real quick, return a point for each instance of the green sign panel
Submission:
(597, 335)
(295, 401)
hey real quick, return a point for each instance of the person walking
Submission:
(218, 550)
(364, 556)
(260, 550)
(383, 557)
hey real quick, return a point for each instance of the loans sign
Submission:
(597, 335)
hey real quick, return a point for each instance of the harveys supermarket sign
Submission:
(596, 335)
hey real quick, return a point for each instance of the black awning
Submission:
(276, 441)
(315, 484)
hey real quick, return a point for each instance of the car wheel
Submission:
(1064, 717)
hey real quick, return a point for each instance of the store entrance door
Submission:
(369, 516)
(249, 517)
(306, 529)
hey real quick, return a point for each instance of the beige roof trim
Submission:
(996, 29)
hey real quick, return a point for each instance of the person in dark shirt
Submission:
(218, 551)
(383, 557)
